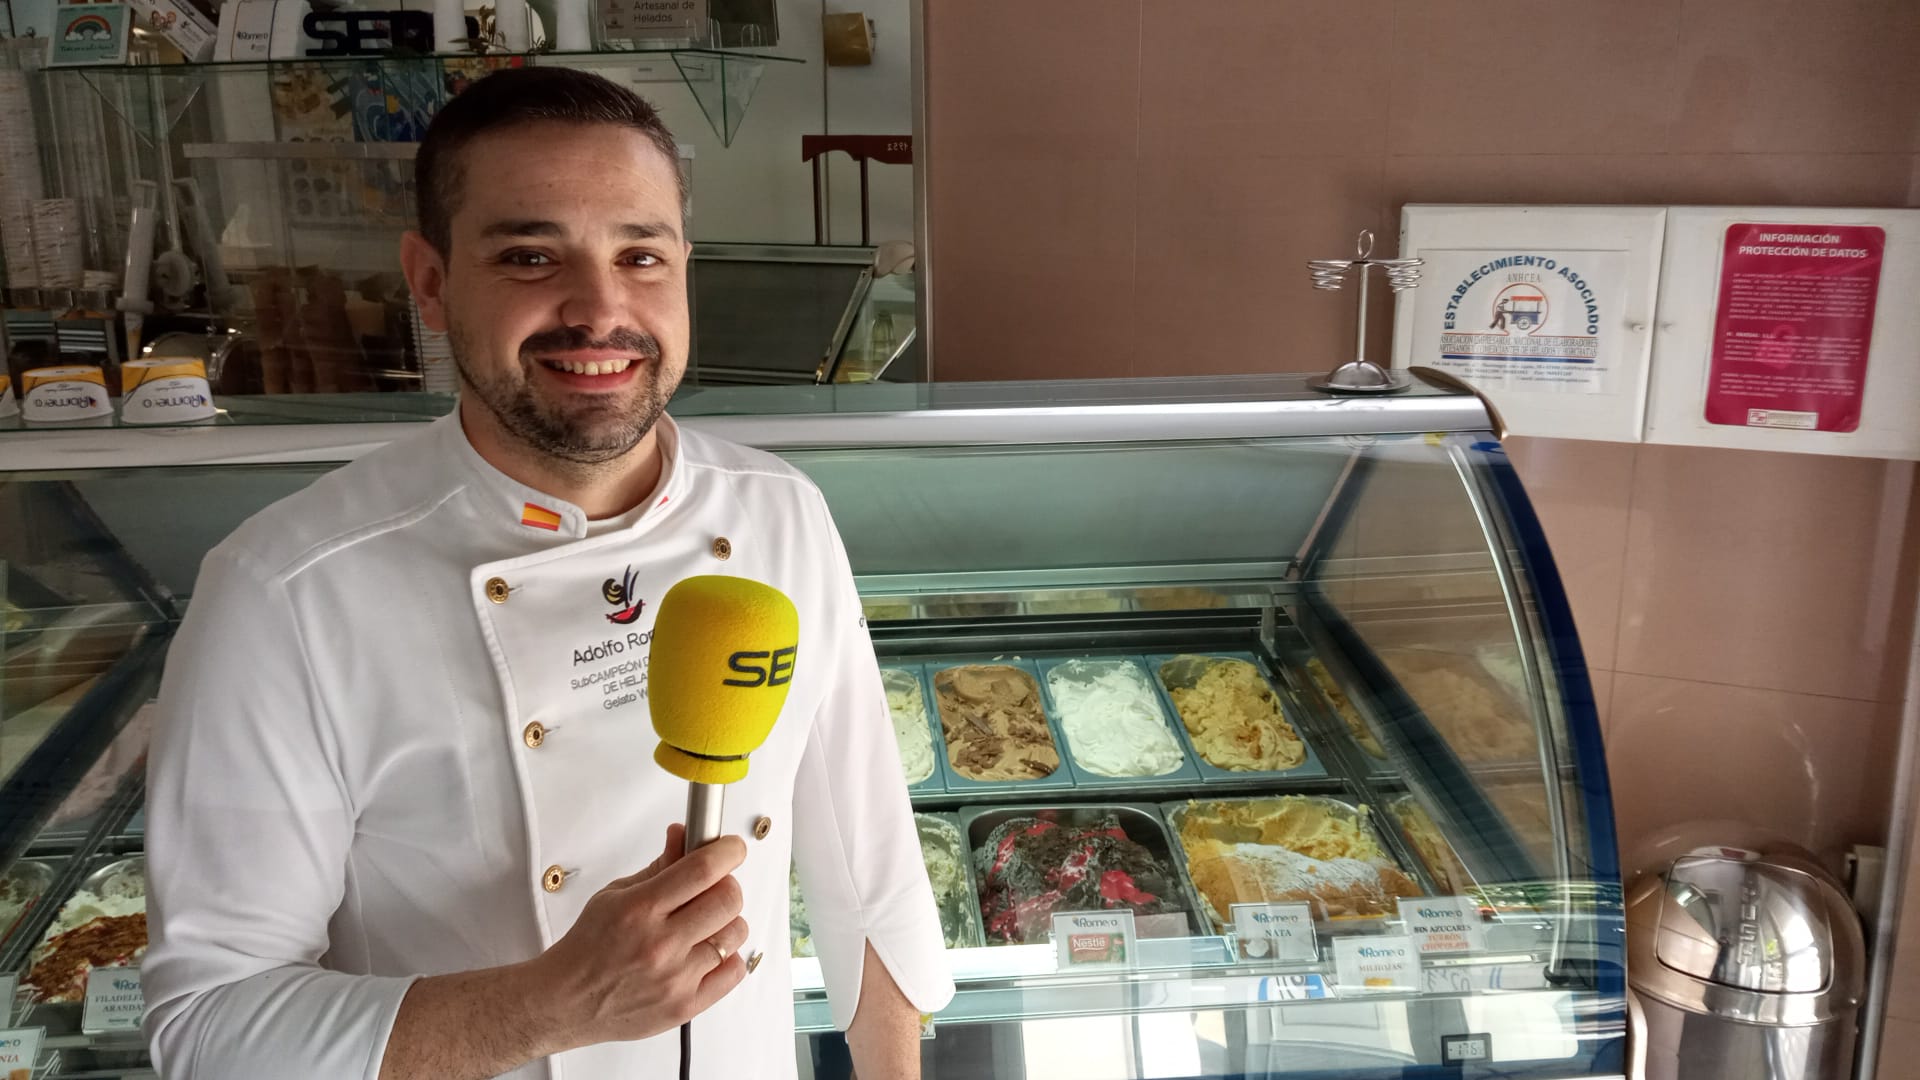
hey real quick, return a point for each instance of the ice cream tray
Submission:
(1175, 813)
(63, 1018)
(1185, 775)
(970, 910)
(1396, 805)
(1470, 666)
(1294, 655)
(1063, 778)
(936, 781)
(1140, 821)
(1309, 769)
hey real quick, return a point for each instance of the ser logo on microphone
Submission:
(762, 668)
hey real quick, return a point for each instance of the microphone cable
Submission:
(686, 1051)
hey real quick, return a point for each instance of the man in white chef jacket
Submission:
(404, 820)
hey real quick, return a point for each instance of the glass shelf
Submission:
(723, 81)
(1247, 392)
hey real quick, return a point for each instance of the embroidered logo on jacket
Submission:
(620, 595)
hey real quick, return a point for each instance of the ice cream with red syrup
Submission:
(1032, 867)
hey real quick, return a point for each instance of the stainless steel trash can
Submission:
(1747, 966)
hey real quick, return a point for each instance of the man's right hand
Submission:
(644, 957)
(646, 954)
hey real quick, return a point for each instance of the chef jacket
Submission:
(403, 731)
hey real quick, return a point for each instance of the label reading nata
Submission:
(114, 1000)
(1094, 939)
(1274, 931)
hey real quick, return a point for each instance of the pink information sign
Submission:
(1793, 326)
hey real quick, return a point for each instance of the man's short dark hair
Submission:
(515, 96)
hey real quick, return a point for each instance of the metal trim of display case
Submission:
(1560, 638)
(958, 416)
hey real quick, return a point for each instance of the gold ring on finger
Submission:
(719, 951)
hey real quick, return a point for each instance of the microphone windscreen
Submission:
(718, 671)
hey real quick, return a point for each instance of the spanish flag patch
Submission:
(539, 517)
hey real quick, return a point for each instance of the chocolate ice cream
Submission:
(993, 723)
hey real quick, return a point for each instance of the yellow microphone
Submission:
(718, 671)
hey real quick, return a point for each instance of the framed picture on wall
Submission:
(1789, 328)
(1548, 310)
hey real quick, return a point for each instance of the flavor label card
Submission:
(19, 1049)
(1094, 939)
(1444, 924)
(1370, 963)
(114, 1000)
(1274, 931)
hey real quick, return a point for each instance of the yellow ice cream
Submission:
(1476, 716)
(1344, 706)
(1289, 849)
(1433, 849)
(1233, 716)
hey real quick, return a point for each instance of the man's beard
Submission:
(583, 436)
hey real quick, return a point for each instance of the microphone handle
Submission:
(704, 805)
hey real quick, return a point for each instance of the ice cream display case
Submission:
(1246, 726)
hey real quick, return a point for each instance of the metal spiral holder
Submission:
(1360, 375)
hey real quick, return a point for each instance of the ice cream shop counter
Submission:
(1246, 727)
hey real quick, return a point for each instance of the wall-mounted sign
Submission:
(85, 34)
(1793, 323)
(653, 20)
(1785, 328)
(1546, 309)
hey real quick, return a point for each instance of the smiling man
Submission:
(402, 799)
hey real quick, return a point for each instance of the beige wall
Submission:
(1745, 617)
(1132, 187)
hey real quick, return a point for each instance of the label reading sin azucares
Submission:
(1444, 924)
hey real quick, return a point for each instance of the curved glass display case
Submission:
(1288, 681)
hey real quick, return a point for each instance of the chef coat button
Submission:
(761, 827)
(534, 735)
(754, 960)
(497, 590)
(722, 548)
(553, 878)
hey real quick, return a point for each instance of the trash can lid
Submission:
(1747, 924)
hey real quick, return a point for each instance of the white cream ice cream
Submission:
(908, 704)
(1112, 718)
(84, 907)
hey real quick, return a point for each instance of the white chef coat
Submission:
(344, 792)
